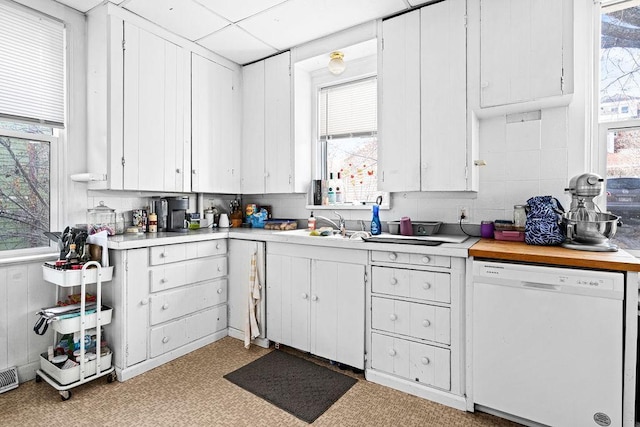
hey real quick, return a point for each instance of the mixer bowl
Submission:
(596, 232)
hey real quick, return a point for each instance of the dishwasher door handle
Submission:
(545, 286)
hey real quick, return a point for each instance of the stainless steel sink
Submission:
(335, 234)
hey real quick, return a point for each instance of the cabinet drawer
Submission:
(173, 304)
(412, 259)
(181, 332)
(426, 285)
(416, 362)
(159, 255)
(179, 274)
(422, 321)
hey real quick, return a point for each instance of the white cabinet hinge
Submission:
(126, 265)
(382, 44)
(365, 277)
(562, 82)
(466, 21)
(123, 45)
(123, 161)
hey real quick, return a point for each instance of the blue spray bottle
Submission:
(375, 222)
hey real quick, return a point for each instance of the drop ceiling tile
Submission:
(298, 21)
(186, 18)
(236, 45)
(235, 11)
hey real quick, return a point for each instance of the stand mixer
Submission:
(586, 227)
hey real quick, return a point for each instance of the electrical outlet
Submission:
(463, 214)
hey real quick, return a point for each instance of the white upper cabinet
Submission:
(156, 113)
(267, 151)
(215, 145)
(525, 50)
(444, 154)
(399, 104)
(424, 144)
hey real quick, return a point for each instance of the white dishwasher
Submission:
(548, 343)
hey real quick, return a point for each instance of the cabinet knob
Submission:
(144, 301)
(484, 85)
(304, 296)
(163, 254)
(426, 323)
(266, 174)
(426, 259)
(219, 290)
(163, 280)
(425, 360)
(393, 256)
(165, 306)
(178, 170)
(394, 281)
(392, 352)
(165, 340)
(314, 298)
(217, 245)
(426, 286)
(393, 317)
(193, 171)
(219, 268)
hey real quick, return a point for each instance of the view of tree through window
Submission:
(24, 188)
(620, 104)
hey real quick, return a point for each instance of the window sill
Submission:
(346, 207)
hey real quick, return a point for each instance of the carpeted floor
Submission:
(191, 391)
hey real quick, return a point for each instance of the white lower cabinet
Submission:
(416, 325)
(316, 300)
(173, 299)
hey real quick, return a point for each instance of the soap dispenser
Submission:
(311, 222)
(375, 222)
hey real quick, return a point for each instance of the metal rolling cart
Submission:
(64, 380)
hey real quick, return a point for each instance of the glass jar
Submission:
(519, 217)
(119, 223)
(101, 218)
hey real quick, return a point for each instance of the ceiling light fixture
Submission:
(336, 65)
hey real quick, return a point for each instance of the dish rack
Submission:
(64, 380)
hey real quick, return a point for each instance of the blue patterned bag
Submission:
(544, 219)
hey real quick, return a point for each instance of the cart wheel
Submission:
(111, 377)
(38, 379)
(66, 395)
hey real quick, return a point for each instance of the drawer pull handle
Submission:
(393, 256)
(425, 360)
(165, 340)
(392, 352)
(426, 323)
(426, 286)
(304, 296)
(426, 259)
(314, 298)
(165, 306)
(144, 301)
(394, 281)
(393, 317)
(219, 290)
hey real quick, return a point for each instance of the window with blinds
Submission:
(347, 135)
(31, 67)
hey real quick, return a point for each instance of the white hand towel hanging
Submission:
(251, 328)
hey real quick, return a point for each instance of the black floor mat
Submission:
(300, 387)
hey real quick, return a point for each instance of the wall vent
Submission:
(8, 379)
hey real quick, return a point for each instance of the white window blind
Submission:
(31, 66)
(349, 109)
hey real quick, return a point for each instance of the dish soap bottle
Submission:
(375, 222)
(311, 222)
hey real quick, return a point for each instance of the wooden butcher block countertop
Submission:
(554, 255)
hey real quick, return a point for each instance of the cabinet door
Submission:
(215, 153)
(156, 112)
(137, 306)
(240, 252)
(521, 50)
(337, 312)
(443, 62)
(399, 103)
(253, 132)
(288, 287)
(277, 137)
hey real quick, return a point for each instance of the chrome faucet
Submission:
(341, 225)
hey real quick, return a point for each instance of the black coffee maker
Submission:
(161, 208)
(177, 214)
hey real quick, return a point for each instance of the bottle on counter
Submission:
(153, 223)
(376, 228)
(339, 190)
(311, 222)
